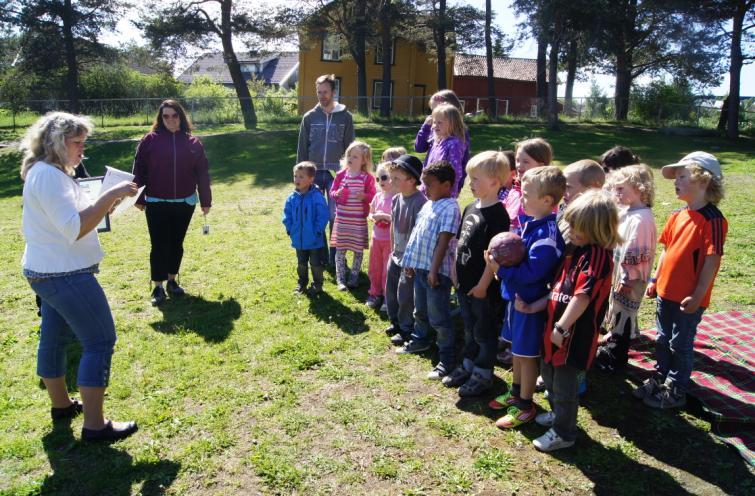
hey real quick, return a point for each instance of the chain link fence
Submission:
(702, 113)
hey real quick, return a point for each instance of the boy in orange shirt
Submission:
(694, 244)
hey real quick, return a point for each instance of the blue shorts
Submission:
(524, 331)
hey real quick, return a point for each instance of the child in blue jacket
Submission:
(305, 217)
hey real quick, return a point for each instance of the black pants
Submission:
(167, 223)
(305, 259)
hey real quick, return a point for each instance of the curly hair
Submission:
(714, 193)
(45, 140)
(442, 170)
(640, 177)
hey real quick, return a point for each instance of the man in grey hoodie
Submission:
(325, 133)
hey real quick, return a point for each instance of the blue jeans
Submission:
(399, 298)
(481, 319)
(324, 180)
(75, 307)
(431, 308)
(674, 352)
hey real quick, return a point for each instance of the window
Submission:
(331, 47)
(377, 93)
(379, 53)
(337, 91)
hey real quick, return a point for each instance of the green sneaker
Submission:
(515, 417)
(502, 402)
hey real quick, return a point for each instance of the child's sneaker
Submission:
(353, 282)
(413, 347)
(503, 401)
(648, 388)
(515, 417)
(314, 289)
(457, 377)
(477, 385)
(667, 396)
(539, 384)
(550, 441)
(438, 372)
(399, 339)
(545, 419)
(299, 289)
(373, 301)
(342, 286)
(384, 307)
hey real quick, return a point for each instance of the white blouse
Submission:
(52, 202)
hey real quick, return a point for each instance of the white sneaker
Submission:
(384, 308)
(545, 419)
(550, 441)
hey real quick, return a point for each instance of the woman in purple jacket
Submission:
(171, 163)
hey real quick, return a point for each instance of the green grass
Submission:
(242, 388)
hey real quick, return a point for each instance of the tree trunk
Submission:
(359, 56)
(542, 84)
(440, 41)
(387, 47)
(72, 76)
(735, 70)
(492, 104)
(553, 85)
(623, 87)
(571, 73)
(229, 56)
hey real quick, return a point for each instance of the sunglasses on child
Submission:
(381, 178)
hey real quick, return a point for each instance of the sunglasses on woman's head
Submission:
(381, 178)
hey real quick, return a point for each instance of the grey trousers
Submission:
(562, 383)
(399, 298)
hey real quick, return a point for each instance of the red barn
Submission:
(515, 83)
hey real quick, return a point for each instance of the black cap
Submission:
(410, 164)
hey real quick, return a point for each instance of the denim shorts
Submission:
(75, 306)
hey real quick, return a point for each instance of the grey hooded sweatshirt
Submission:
(316, 125)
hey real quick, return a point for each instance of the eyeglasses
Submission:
(381, 178)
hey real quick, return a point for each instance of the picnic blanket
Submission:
(723, 377)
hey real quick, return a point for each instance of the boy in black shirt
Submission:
(478, 290)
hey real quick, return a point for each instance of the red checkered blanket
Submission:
(723, 377)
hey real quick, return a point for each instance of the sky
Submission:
(524, 48)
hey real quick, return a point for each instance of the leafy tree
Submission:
(59, 34)
(492, 103)
(740, 38)
(180, 24)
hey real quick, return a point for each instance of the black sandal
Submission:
(108, 433)
(67, 412)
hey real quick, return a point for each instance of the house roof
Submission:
(503, 67)
(275, 67)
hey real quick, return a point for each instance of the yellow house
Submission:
(413, 75)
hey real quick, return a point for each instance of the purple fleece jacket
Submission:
(172, 166)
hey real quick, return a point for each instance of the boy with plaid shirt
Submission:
(428, 260)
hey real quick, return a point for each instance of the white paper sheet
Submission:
(127, 202)
(114, 176)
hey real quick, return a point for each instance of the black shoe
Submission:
(109, 433)
(399, 339)
(393, 329)
(158, 296)
(314, 289)
(68, 412)
(174, 289)
(299, 289)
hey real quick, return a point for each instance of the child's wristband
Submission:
(653, 280)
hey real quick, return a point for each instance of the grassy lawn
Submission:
(242, 388)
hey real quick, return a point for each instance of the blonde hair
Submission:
(640, 177)
(366, 155)
(714, 193)
(537, 148)
(589, 173)
(548, 181)
(454, 118)
(392, 153)
(384, 166)
(494, 164)
(45, 140)
(310, 168)
(595, 215)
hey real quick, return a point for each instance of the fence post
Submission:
(13, 113)
(102, 113)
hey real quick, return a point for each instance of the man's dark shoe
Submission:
(393, 329)
(413, 347)
(314, 289)
(174, 289)
(68, 412)
(109, 433)
(158, 296)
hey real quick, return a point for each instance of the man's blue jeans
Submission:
(674, 353)
(324, 180)
(431, 308)
(75, 306)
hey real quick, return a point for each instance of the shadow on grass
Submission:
(327, 309)
(213, 320)
(83, 468)
(666, 435)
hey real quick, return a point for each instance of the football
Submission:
(507, 249)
